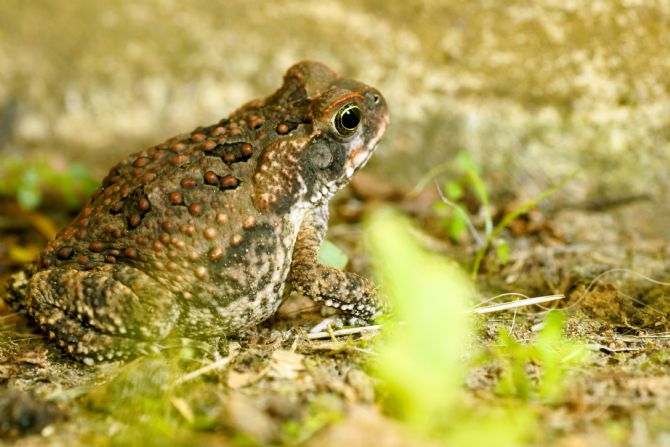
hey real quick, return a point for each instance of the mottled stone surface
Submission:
(532, 90)
(196, 236)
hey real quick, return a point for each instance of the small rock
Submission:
(242, 415)
(22, 413)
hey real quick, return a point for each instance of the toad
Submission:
(198, 236)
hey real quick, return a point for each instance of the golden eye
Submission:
(348, 119)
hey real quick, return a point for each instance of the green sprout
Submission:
(502, 249)
(456, 218)
(552, 353)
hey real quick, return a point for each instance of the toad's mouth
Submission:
(359, 158)
(361, 155)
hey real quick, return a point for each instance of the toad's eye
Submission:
(348, 119)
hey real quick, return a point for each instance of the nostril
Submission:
(373, 98)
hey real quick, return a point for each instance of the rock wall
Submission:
(533, 90)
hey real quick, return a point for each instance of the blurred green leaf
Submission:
(453, 190)
(28, 181)
(457, 226)
(330, 254)
(441, 208)
(28, 198)
(465, 162)
(502, 251)
(558, 356)
(421, 362)
(554, 354)
(28, 193)
(492, 426)
(513, 379)
(473, 174)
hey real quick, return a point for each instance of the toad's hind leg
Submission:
(353, 294)
(110, 312)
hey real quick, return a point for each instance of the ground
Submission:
(274, 386)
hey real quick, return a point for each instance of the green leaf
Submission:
(28, 193)
(509, 217)
(457, 226)
(331, 255)
(473, 174)
(491, 426)
(513, 379)
(28, 198)
(421, 363)
(466, 163)
(453, 190)
(502, 251)
(555, 355)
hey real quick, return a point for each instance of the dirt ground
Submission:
(274, 386)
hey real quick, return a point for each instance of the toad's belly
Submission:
(246, 287)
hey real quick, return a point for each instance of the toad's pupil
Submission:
(351, 118)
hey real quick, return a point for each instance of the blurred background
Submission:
(531, 90)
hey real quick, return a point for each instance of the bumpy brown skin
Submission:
(196, 237)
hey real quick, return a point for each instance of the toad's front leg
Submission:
(351, 293)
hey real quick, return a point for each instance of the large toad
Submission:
(196, 237)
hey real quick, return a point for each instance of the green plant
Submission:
(422, 361)
(27, 181)
(330, 254)
(455, 215)
(456, 218)
(493, 237)
(552, 354)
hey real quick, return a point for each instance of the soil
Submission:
(275, 386)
